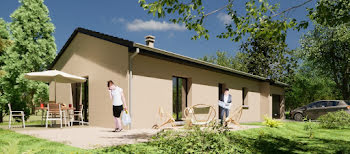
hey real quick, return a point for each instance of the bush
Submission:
(210, 140)
(335, 120)
(309, 128)
(271, 122)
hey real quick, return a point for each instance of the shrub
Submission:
(335, 120)
(287, 115)
(271, 122)
(309, 128)
(196, 140)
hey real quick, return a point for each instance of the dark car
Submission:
(318, 108)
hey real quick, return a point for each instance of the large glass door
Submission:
(180, 93)
(85, 100)
(276, 106)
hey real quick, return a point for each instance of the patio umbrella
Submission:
(54, 75)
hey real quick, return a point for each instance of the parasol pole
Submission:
(55, 90)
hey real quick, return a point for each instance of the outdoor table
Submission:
(44, 109)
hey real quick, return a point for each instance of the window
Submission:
(347, 102)
(332, 103)
(312, 105)
(180, 93)
(321, 104)
(244, 96)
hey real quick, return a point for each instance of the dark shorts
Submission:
(117, 110)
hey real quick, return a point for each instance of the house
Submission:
(153, 78)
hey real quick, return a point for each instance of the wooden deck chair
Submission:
(235, 116)
(164, 118)
(200, 114)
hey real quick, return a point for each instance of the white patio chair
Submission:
(16, 114)
(54, 113)
(65, 115)
(79, 115)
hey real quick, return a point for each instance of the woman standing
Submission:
(117, 96)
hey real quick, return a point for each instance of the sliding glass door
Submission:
(180, 93)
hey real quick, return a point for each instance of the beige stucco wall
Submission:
(152, 88)
(100, 61)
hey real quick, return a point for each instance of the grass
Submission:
(290, 138)
(33, 120)
(13, 143)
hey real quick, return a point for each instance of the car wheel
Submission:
(298, 117)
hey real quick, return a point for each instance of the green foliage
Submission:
(196, 141)
(4, 42)
(4, 35)
(260, 18)
(271, 122)
(335, 120)
(309, 127)
(327, 49)
(33, 48)
(309, 85)
(238, 62)
(331, 12)
(269, 58)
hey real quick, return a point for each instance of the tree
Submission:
(269, 58)
(309, 85)
(260, 19)
(331, 12)
(238, 62)
(4, 44)
(33, 49)
(328, 50)
(4, 40)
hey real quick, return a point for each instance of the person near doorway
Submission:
(224, 105)
(118, 100)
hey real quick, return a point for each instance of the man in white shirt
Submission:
(224, 105)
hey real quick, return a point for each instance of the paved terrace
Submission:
(87, 137)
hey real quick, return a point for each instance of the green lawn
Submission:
(13, 143)
(33, 120)
(290, 138)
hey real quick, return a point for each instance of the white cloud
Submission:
(224, 18)
(139, 25)
(117, 20)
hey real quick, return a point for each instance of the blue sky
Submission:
(126, 19)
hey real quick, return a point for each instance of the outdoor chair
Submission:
(235, 116)
(164, 118)
(16, 114)
(78, 115)
(65, 115)
(200, 114)
(54, 113)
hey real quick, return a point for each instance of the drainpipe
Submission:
(130, 79)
